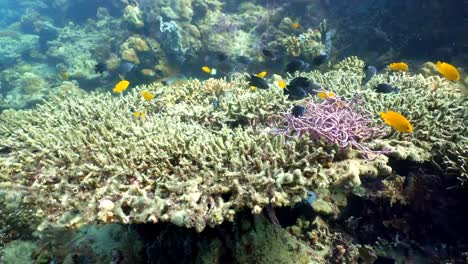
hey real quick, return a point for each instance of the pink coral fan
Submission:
(335, 120)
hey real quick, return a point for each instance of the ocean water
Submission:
(209, 131)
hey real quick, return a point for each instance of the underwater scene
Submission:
(233, 131)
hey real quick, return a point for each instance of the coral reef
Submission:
(13, 45)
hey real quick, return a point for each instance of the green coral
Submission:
(18, 252)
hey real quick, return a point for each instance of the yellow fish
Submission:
(138, 114)
(448, 71)
(262, 74)
(295, 25)
(326, 95)
(398, 66)
(209, 70)
(281, 84)
(121, 86)
(397, 121)
(147, 95)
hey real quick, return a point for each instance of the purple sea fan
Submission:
(337, 121)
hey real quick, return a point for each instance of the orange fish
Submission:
(295, 25)
(148, 96)
(397, 121)
(326, 95)
(121, 86)
(398, 66)
(448, 71)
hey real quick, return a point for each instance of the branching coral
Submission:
(337, 121)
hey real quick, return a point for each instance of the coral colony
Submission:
(337, 121)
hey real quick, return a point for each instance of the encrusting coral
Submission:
(88, 159)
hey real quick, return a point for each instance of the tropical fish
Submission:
(398, 66)
(125, 67)
(268, 53)
(295, 25)
(298, 110)
(326, 95)
(448, 71)
(121, 86)
(138, 114)
(299, 88)
(370, 72)
(100, 67)
(148, 96)
(209, 70)
(320, 59)
(262, 74)
(221, 56)
(386, 88)
(281, 84)
(397, 121)
(297, 65)
(255, 81)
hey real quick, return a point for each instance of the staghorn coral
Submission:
(87, 158)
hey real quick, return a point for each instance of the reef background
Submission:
(407, 205)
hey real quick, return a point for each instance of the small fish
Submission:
(448, 71)
(125, 67)
(386, 88)
(281, 84)
(397, 121)
(299, 88)
(243, 59)
(326, 95)
(138, 114)
(311, 197)
(63, 75)
(215, 103)
(320, 59)
(295, 25)
(209, 70)
(268, 53)
(100, 67)
(370, 72)
(262, 74)
(255, 81)
(121, 86)
(148, 96)
(298, 110)
(221, 56)
(398, 66)
(297, 65)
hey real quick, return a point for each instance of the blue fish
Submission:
(371, 71)
(126, 67)
(386, 88)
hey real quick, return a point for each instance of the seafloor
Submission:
(192, 165)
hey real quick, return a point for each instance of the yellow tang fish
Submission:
(138, 114)
(147, 95)
(262, 74)
(281, 84)
(397, 121)
(209, 70)
(121, 86)
(398, 66)
(448, 71)
(326, 95)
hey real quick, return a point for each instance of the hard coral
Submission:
(337, 121)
